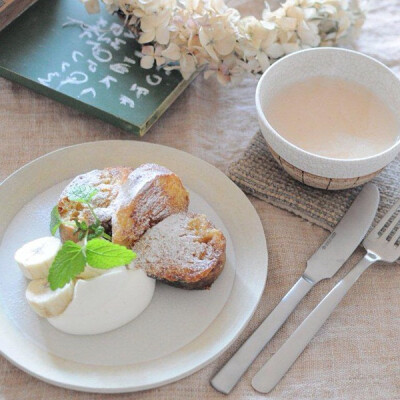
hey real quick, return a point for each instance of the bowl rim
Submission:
(310, 166)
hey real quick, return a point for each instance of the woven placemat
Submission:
(258, 174)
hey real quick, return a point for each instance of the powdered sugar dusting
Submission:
(107, 182)
(171, 242)
(144, 200)
(137, 182)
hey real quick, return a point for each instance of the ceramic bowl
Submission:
(312, 169)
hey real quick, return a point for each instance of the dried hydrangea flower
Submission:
(187, 35)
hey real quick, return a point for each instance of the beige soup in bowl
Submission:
(333, 117)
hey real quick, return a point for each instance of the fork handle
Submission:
(277, 366)
(226, 379)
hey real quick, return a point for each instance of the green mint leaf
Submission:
(55, 220)
(104, 254)
(78, 226)
(81, 193)
(99, 231)
(70, 261)
(95, 225)
(95, 231)
(106, 236)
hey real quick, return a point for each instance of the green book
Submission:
(89, 62)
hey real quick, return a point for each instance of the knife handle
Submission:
(229, 375)
(277, 366)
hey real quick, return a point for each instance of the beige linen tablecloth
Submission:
(356, 355)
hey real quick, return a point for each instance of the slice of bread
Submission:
(128, 202)
(107, 181)
(184, 250)
(150, 194)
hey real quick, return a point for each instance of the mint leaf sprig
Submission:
(72, 258)
(80, 194)
(70, 261)
(55, 220)
(84, 194)
(91, 232)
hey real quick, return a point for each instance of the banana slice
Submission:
(46, 302)
(35, 258)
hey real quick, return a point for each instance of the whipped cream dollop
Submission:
(106, 302)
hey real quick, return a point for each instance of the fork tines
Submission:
(386, 227)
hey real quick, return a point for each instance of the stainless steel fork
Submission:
(381, 244)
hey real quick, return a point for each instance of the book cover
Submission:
(89, 62)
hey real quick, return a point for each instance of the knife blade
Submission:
(346, 236)
(325, 262)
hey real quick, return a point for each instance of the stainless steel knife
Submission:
(325, 262)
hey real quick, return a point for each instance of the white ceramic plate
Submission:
(181, 331)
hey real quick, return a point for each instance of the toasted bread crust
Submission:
(185, 250)
(201, 284)
(129, 201)
(108, 182)
(150, 194)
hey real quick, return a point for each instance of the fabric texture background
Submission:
(356, 354)
(257, 173)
